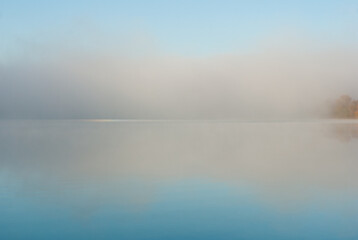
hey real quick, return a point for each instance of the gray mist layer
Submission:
(268, 83)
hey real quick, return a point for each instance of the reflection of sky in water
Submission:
(178, 180)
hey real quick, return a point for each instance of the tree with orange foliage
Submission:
(345, 107)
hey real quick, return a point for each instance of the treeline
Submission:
(345, 107)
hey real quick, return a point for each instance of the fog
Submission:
(277, 79)
(287, 158)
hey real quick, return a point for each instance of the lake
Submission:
(178, 180)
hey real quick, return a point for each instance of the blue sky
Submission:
(180, 27)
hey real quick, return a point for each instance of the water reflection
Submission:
(346, 132)
(90, 167)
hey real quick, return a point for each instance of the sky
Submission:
(173, 59)
(180, 27)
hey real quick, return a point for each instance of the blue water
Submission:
(178, 180)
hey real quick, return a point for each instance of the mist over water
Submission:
(172, 120)
(283, 79)
(244, 155)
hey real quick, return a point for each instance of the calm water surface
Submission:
(178, 180)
